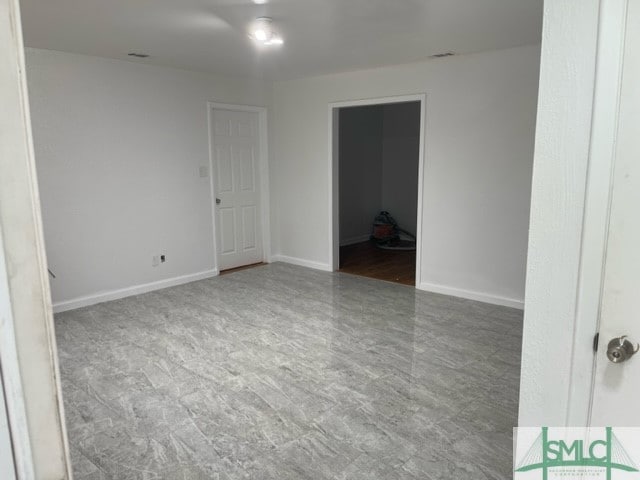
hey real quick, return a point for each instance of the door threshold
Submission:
(243, 267)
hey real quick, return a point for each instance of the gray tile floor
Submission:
(281, 372)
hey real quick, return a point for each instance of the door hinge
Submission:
(596, 337)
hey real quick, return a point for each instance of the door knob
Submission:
(218, 201)
(620, 349)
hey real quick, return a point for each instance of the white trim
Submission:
(334, 207)
(301, 262)
(31, 379)
(334, 188)
(7, 465)
(265, 206)
(421, 180)
(130, 291)
(472, 295)
(13, 394)
(354, 240)
(604, 130)
(554, 287)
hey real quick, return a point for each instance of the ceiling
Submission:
(321, 36)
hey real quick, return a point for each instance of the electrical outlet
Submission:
(203, 171)
(155, 260)
(163, 258)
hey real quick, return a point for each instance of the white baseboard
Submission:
(302, 262)
(354, 240)
(172, 282)
(129, 291)
(472, 295)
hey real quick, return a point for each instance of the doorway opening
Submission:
(377, 150)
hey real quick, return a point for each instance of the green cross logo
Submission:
(607, 453)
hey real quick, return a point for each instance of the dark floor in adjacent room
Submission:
(281, 372)
(367, 260)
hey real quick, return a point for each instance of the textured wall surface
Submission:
(118, 150)
(480, 123)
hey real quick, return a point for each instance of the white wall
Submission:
(480, 125)
(360, 153)
(118, 146)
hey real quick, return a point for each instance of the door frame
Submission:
(263, 168)
(11, 394)
(597, 211)
(575, 141)
(28, 355)
(334, 162)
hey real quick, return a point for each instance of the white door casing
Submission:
(334, 197)
(7, 467)
(236, 179)
(616, 388)
(578, 109)
(30, 374)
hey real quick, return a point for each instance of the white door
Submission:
(616, 392)
(236, 179)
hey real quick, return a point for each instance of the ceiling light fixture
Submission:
(259, 2)
(263, 32)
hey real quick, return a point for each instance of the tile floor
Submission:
(280, 372)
